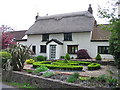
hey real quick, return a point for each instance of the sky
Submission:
(20, 14)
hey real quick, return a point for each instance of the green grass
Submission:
(20, 85)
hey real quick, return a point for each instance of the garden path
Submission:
(104, 70)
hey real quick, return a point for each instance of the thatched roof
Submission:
(61, 23)
(98, 34)
(18, 35)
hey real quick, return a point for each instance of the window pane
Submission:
(34, 49)
(43, 48)
(45, 37)
(103, 49)
(67, 36)
(72, 49)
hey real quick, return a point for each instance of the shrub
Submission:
(45, 58)
(72, 78)
(5, 56)
(72, 57)
(76, 75)
(41, 69)
(98, 57)
(84, 78)
(62, 57)
(65, 61)
(102, 78)
(94, 66)
(19, 54)
(67, 56)
(40, 58)
(30, 61)
(48, 74)
(34, 58)
(112, 81)
(83, 54)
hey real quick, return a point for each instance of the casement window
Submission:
(72, 49)
(34, 49)
(67, 36)
(42, 48)
(103, 49)
(45, 37)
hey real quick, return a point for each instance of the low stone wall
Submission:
(40, 81)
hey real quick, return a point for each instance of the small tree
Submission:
(114, 28)
(7, 37)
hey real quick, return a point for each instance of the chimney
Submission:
(90, 9)
(37, 16)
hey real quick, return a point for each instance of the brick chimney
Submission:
(90, 9)
(37, 16)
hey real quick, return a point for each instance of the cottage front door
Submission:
(52, 51)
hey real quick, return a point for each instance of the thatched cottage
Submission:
(54, 36)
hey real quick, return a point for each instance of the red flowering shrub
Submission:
(6, 37)
(83, 54)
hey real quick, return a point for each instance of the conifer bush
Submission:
(67, 56)
(98, 57)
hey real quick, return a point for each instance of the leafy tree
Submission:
(7, 37)
(114, 28)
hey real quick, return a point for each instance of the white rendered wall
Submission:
(37, 41)
(83, 40)
(94, 50)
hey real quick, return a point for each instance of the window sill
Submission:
(67, 40)
(72, 53)
(105, 53)
(42, 52)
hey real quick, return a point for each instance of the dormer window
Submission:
(67, 36)
(45, 37)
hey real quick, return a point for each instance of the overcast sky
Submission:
(20, 14)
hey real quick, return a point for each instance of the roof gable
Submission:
(55, 40)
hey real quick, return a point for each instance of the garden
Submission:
(65, 69)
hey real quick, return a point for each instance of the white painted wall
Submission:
(80, 39)
(94, 50)
(37, 41)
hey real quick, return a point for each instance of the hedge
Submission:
(71, 65)
(64, 67)
(94, 66)
(73, 62)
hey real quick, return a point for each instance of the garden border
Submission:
(40, 81)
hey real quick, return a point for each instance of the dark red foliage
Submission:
(6, 37)
(83, 54)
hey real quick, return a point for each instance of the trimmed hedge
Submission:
(64, 67)
(71, 65)
(73, 62)
(94, 66)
